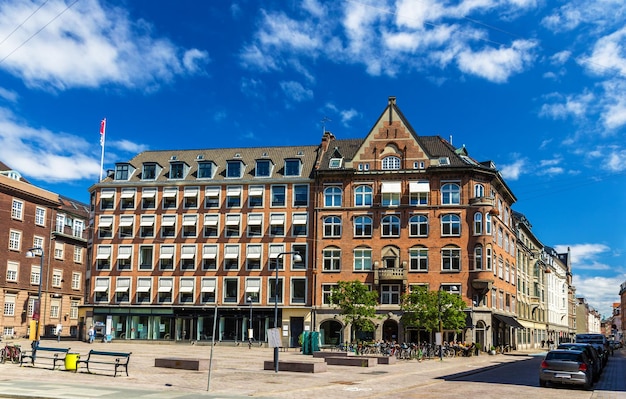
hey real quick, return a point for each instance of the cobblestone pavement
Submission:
(236, 372)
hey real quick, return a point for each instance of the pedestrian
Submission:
(91, 334)
(59, 330)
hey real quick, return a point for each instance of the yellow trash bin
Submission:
(70, 361)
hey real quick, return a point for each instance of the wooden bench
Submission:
(117, 359)
(302, 367)
(357, 361)
(42, 352)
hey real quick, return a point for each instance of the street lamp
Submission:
(31, 254)
(296, 258)
(250, 327)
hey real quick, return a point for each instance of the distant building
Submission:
(36, 218)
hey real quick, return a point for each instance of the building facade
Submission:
(47, 224)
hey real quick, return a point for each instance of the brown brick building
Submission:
(35, 218)
(181, 233)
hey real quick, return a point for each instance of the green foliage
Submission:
(422, 308)
(357, 304)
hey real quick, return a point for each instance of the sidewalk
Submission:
(236, 372)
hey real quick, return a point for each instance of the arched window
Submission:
(478, 223)
(479, 190)
(451, 194)
(488, 261)
(362, 226)
(391, 163)
(450, 225)
(418, 258)
(332, 226)
(487, 224)
(332, 196)
(391, 226)
(363, 196)
(478, 257)
(418, 226)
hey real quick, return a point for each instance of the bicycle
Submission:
(10, 352)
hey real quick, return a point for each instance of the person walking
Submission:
(59, 330)
(91, 334)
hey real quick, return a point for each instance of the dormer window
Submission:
(177, 170)
(335, 163)
(292, 167)
(234, 169)
(205, 170)
(149, 171)
(444, 161)
(123, 171)
(391, 163)
(263, 168)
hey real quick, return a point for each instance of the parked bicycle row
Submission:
(410, 351)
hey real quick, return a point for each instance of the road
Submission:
(520, 380)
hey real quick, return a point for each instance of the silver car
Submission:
(565, 366)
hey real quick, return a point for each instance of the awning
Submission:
(126, 221)
(419, 186)
(128, 193)
(256, 191)
(211, 220)
(168, 220)
(148, 193)
(190, 192)
(107, 194)
(143, 288)
(299, 219)
(277, 219)
(122, 288)
(511, 321)
(232, 220)
(190, 220)
(391, 187)
(209, 252)
(170, 192)
(147, 221)
(105, 221)
(212, 192)
(255, 219)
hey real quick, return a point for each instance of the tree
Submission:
(357, 304)
(422, 308)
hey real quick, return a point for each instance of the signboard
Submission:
(273, 337)
(438, 339)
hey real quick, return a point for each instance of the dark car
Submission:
(592, 354)
(564, 366)
(599, 342)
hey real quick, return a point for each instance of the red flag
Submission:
(103, 125)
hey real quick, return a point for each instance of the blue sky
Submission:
(536, 86)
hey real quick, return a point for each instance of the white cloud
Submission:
(600, 292)
(569, 105)
(616, 161)
(111, 48)
(514, 170)
(296, 92)
(8, 95)
(582, 253)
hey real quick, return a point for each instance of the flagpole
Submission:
(103, 125)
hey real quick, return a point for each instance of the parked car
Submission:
(564, 366)
(599, 342)
(592, 354)
(615, 344)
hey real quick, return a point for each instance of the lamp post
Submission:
(297, 258)
(250, 327)
(31, 254)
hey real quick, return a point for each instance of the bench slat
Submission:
(121, 360)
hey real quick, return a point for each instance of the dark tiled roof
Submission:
(306, 153)
(72, 206)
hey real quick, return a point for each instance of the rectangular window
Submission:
(332, 259)
(103, 257)
(146, 257)
(277, 224)
(298, 291)
(76, 281)
(234, 169)
(231, 290)
(390, 294)
(211, 225)
(190, 197)
(74, 309)
(12, 268)
(168, 226)
(231, 257)
(177, 170)
(362, 259)
(278, 196)
(209, 257)
(122, 289)
(78, 228)
(233, 225)
(148, 198)
(57, 277)
(327, 290)
(418, 258)
(263, 168)
(9, 304)
(255, 225)
(59, 249)
(122, 171)
(15, 240)
(190, 223)
(107, 198)
(127, 198)
(188, 257)
(253, 256)
(233, 197)
(299, 225)
(127, 226)
(149, 171)
(301, 264)
(186, 290)
(275, 257)
(146, 226)
(144, 288)
(418, 192)
(40, 216)
(255, 196)
(207, 290)
(105, 227)
(253, 290)
(166, 285)
(212, 197)
(124, 257)
(205, 170)
(17, 209)
(451, 259)
(170, 197)
(275, 291)
(390, 193)
(166, 257)
(101, 289)
(292, 167)
(35, 275)
(300, 195)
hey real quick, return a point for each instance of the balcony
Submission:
(391, 274)
(482, 201)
